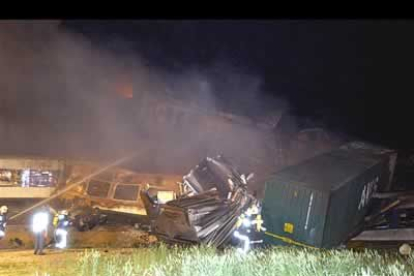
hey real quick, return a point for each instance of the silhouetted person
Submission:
(40, 226)
(3, 221)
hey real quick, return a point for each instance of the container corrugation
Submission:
(322, 200)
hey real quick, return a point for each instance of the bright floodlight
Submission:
(40, 222)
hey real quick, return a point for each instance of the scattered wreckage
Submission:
(324, 202)
(210, 209)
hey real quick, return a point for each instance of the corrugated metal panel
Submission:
(326, 171)
(271, 211)
(317, 217)
(348, 206)
(322, 200)
(294, 212)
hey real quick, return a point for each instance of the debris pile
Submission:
(214, 196)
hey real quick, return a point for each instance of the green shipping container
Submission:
(321, 201)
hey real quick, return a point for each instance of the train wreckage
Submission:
(215, 197)
(325, 201)
(27, 180)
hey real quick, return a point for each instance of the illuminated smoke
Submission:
(63, 95)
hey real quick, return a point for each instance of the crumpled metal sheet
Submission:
(216, 195)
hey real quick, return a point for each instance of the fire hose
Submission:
(113, 164)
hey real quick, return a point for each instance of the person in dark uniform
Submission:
(3, 221)
(61, 223)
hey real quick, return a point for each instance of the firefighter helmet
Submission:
(64, 212)
(3, 209)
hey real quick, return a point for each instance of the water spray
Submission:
(117, 162)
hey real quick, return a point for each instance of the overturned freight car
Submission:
(323, 201)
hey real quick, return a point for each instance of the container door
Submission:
(294, 214)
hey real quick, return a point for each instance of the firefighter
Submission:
(248, 227)
(255, 212)
(243, 232)
(61, 222)
(3, 221)
(40, 225)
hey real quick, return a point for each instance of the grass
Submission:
(280, 261)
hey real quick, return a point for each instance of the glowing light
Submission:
(2, 234)
(25, 178)
(247, 222)
(259, 241)
(246, 241)
(62, 234)
(40, 222)
(125, 90)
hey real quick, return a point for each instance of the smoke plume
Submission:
(64, 96)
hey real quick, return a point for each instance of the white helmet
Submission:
(3, 209)
(405, 249)
(64, 212)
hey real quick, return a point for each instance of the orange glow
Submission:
(125, 90)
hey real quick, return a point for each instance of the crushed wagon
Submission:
(214, 197)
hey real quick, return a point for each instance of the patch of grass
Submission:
(204, 261)
(161, 261)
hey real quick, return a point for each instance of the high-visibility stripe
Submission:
(289, 240)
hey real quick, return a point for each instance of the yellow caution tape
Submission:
(289, 240)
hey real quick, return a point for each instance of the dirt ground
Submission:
(20, 237)
(17, 258)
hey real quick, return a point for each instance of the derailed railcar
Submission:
(116, 190)
(323, 201)
(25, 180)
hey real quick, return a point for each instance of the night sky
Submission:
(354, 75)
